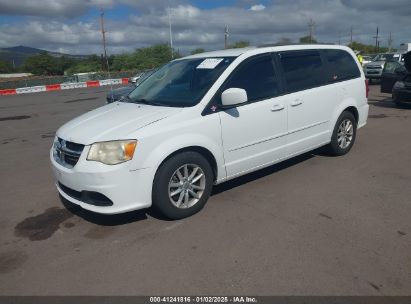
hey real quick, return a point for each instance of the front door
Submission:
(389, 77)
(254, 133)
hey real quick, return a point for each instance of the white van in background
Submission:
(208, 118)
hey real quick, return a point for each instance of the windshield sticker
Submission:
(209, 63)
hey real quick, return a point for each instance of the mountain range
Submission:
(17, 54)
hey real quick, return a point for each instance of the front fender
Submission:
(179, 142)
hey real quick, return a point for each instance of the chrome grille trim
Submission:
(67, 153)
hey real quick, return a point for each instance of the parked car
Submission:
(117, 94)
(396, 80)
(208, 118)
(373, 70)
(135, 78)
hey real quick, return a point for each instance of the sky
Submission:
(73, 26)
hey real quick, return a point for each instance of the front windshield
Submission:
(180, 83)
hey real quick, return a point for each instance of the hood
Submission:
(115, 121)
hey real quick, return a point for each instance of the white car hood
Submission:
(115, 121)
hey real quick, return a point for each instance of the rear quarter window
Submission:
(341, 66)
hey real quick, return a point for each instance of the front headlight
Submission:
(399, 85)
(112, 152)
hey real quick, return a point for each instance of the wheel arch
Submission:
(348, 105)
(354, 111)
(201, 150)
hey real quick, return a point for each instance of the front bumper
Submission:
(374, 74)
(126, 188)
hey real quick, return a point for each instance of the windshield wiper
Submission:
(148, 102)
(124, 98)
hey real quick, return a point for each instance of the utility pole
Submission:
(351, 32)
(390, 43)
(226, 34)
(311, 25)
(376, 40)
(171, 32)
(103, 32)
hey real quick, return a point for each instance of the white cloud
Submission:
(257, 7)
(194, 27)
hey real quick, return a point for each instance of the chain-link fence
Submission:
(32, 81)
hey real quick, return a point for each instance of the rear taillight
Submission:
(367, 88)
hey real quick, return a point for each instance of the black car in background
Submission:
(396, 79)
(116, 94)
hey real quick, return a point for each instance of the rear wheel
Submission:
(182, 185)
(344, 134)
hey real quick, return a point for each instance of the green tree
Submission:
(42, 64)
(6, 67)
(144, 58)
(92, 64)
(366, 48)
(240, 44)
(197, 51)
(308, 39)
(285, 40)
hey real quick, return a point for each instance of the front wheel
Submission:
(182, 185)
(344, 134)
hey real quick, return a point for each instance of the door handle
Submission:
(296, 102)
(277, 107)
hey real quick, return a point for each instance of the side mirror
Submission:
(233, 96)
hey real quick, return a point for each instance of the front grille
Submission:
(374, 67)
(67, 153)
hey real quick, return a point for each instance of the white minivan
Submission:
(204, 119)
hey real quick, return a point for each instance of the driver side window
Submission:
(257, 77)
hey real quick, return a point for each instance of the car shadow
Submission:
(387, 103)
(250, 177)
(140, 215)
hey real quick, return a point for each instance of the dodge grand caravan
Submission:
(204, 119)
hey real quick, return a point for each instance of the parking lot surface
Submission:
(314, 225)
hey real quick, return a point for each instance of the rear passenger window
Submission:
(341, 66)
(257, 77)
(302, 70)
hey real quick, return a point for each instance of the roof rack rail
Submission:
(286, 44)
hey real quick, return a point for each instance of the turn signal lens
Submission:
(129, 149)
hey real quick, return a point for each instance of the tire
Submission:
(370, 81)
(397, 102)
(342, 141)
(185, 185)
